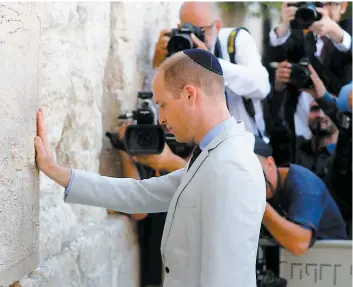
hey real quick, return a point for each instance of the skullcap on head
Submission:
(205, 59)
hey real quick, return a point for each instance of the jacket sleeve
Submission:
(248, 77)
(232, 210)
(123, 194)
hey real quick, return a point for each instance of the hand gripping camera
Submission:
(306, 14)
(180, 39)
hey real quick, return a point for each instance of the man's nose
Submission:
(161, 118)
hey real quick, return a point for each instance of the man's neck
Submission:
(323, 141)
(283, 171)
(209, 120)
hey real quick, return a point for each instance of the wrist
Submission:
(267, 214)
(283, 29)
(336, 33)
(59, 174)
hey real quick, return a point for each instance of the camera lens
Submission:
(306, 15)
(179, 43)
(144, 139)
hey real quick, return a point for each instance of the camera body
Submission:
(180, 39)
(306, 14)
(300, 75)
(146, 136)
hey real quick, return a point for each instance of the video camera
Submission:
(180, 39)
(306, 14)
(146, 136)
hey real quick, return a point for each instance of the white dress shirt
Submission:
(301, 115)
(248, 78)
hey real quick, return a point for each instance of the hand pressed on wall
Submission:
(44, 155)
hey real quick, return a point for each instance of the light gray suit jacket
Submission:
(214, 216)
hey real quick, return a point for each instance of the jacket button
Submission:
(167, 269)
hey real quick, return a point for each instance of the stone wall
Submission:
(79, 61)
(19, 184)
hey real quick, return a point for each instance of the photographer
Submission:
(325, 44)
(299, 208)
(339, 175)
(246, 79)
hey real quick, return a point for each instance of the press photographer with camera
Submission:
(339, 175)
(247, 82)
(309, 33)
(299, 207)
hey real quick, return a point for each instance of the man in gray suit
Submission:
(215, 204)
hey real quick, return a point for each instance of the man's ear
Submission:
(218, 24)
(344, 6)
(190, 92)
(271, 162)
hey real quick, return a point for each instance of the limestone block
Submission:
(104, 254)
(74, 48)
(19, 185)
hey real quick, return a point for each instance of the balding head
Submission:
(201, 10)
(181, 70)
(205, 15)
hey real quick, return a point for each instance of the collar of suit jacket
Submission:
(232, 128)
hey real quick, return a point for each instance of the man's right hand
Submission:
(283, 72)
(287, 15)
(161, 48)
(44, 156)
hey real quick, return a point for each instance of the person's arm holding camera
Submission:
(161, 48)
(288, 234)
(121, 194)
(280, 34)
(323, 98)
(165, 161)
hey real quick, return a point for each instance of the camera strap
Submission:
(247, 102)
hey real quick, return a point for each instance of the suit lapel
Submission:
(233, 128)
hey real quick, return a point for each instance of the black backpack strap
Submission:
(231, 47)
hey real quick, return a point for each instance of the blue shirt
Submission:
(342, 101)
(306, 201)
(214, 132)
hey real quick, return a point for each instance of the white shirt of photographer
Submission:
(301, 115)
(247, 78)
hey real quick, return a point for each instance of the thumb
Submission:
(39, 147)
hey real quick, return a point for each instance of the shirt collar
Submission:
(215, 131)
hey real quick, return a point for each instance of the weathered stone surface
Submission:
(104, 254)
(19, 184)
(85, 62)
